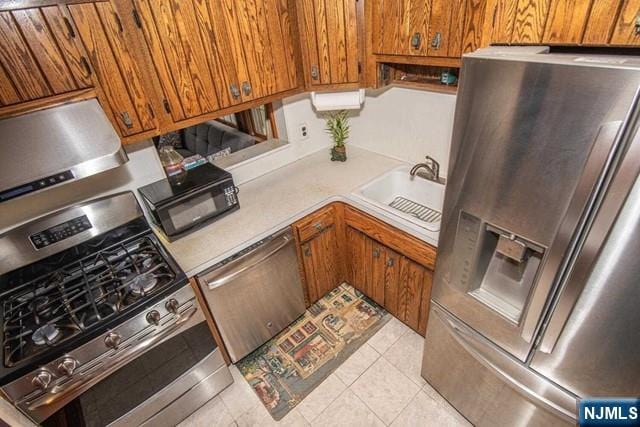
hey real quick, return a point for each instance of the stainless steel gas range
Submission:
(99, 324)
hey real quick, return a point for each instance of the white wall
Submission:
(397, 122)
(402, 123)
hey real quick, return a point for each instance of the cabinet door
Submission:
(385, 277)
(401, 27)
(329, 39)
(119, 78)
(627, 29)
(566, 21)
(321, 266)
(445, 28)
(266, 39)
(358, 259)
(183, 61)
(600, 23)
(39, 56)
(530, 20)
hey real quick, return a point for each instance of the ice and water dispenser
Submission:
(495, 266)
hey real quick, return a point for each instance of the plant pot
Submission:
(339, 154)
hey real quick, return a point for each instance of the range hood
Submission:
(50, 147)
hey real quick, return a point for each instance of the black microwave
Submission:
(183, 202)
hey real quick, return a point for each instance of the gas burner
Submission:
(79, 296)
(142, 283)
(46, 334)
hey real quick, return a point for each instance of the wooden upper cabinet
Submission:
(627, 29)
(40, 56)
(215, 54)
(119, 77)
(330, 42)
(401, 27)
(445, 28)
(418, 27)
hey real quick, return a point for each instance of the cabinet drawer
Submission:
(409, 246)
(313, 224)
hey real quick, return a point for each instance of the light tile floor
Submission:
(380, 384)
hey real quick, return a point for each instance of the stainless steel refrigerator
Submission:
(536, 299)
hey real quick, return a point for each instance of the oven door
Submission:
(161, 387)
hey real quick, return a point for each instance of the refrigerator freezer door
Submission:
(530, 142)
(485, 384)
(590, 345)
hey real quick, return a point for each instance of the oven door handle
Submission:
(59, 392)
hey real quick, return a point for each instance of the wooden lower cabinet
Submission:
(389, 266)
(319, 238)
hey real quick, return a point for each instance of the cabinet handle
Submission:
(70, 32)
(390, 262)
(235, 92)
(416, 40)
(314, 72)
(118, 22)
(317, 226)
(437, 40)
(85, 65)
(637, 26)
(307, 251)
(376, 253)
(126, 119)
(246, 88)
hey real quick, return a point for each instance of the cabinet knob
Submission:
(416, 40)
(637, 25)
(317, 226)
(307, 251)
(376, 253)
(126, 119)
(390, 262)
(315, 74)
(436, 41)
(246, 88)
(235, 92)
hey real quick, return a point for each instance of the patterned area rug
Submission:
(289, 366)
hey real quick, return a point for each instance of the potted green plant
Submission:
(338, 128)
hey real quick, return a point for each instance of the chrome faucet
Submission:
(432, 172)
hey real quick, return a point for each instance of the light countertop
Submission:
(279, 198)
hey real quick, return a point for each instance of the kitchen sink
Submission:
(415, 199)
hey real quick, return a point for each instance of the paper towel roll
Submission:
(331, 101)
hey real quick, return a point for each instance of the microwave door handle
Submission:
(566, 241)
(269, 251)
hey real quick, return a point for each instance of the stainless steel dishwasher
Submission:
(255, 294)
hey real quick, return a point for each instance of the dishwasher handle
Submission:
(248, 261)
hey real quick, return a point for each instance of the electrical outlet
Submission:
(303, 131)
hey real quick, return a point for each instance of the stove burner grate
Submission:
(73, 299)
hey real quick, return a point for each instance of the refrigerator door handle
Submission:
(557, 262)
(526, 382)
(605, 209)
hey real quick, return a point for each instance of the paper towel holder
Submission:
(332, 101)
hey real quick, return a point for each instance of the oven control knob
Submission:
(153, 317)
(67, 366)
(42, 380)
(112, 340)
(172, 306)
